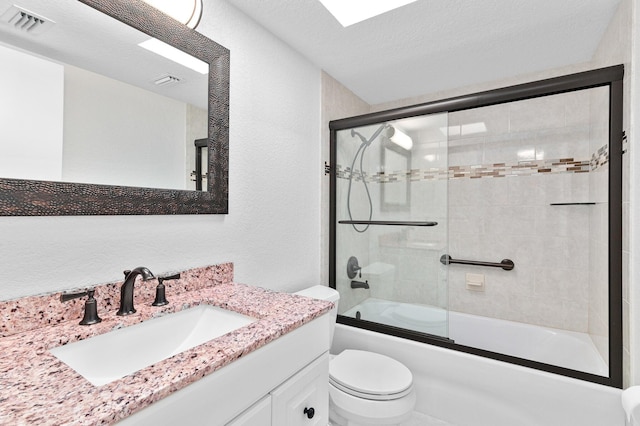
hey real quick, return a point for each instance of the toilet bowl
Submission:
(365, 388)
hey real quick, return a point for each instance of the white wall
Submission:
(32, 122)
(119, 134)
(272, 231)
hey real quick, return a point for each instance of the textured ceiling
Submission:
(433, 45)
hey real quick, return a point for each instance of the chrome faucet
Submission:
(126, 291)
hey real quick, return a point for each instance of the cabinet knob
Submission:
(310, 412)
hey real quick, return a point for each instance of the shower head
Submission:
(398, 137)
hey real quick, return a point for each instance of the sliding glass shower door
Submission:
(489, 223)
(391, 223)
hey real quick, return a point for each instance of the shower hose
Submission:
(360, 153)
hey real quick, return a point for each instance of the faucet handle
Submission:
(161, 299)
(90, 306)
(65, 297)
(169, 277)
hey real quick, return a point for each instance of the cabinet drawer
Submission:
(303, 400)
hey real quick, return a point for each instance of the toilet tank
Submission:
(329, 294)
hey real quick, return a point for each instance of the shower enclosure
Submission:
(488, 223)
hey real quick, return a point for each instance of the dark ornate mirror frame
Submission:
(43, 198)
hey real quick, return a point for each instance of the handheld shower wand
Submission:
(390, 131)
(360, 152)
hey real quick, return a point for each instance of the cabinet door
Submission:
(303, 400)
(259, 414)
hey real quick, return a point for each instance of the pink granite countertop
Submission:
(37, 388)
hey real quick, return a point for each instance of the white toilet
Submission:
(365, 388)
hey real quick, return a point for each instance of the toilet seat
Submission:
(369, 375)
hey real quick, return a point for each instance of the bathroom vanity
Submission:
(284, 383)
(273, 371)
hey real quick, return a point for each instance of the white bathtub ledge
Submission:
(631, 403)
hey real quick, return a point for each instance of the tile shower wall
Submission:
(533, 154)
(506, 165)
(598, 327)
(415, 251)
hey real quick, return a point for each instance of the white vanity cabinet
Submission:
(269, 386)
(258, 415)
(303, 400)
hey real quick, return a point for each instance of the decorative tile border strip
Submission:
(562, 165)
(600, 157)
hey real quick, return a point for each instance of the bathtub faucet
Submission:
(360, 284)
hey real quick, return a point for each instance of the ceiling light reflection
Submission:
(176, 55)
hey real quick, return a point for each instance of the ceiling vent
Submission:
(166, 80)
(25, 21)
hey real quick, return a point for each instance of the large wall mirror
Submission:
(94, 121)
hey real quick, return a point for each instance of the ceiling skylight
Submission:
(349, 12)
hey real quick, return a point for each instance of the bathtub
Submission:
(467, 390)
(551, 346)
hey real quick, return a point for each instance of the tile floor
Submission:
(419, 419)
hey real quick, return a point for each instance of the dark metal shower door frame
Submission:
(611, 77)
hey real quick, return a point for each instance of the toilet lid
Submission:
(370, 375)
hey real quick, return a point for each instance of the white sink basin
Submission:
(111, 356)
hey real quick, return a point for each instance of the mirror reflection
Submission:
(84, 102)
